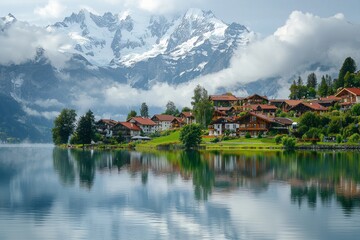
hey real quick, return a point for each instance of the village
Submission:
(235, 116)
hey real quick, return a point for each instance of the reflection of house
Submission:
(225, 100)
(304, 107)
(127, 130)
(349, 96)
(146, 124)
(187, 117)
(104, 127)
(221, 125)
(255, 99)
(163, 121)
(257, 123)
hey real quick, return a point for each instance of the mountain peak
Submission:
(8, 18)
(196, 13)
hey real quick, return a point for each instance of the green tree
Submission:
(186, 109)
(131, 114)
(311, 92)
(64, 126)
(171, 109)
(144, 110)
(323, 87)
(85, 131)
(190, 135)
(355, 110)
(349, 65)
(293, 91)
(311, 81)
(289, 143)
(202, 106)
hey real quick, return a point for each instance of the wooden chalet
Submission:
(303, 107)
(220, 125)
(288, 104)
(349, 97)
(328, 101)
(257, 123)
(187, 117)
(277, 102)
(163, 121)
(177, 122)
(228, 111)
(105, 127)
(218, 114)
(264, 109)
(254, 99)
(146, 124)
(225, 100)
(127, 130)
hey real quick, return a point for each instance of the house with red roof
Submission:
(105, 127)
(258, 123)
(163, 121)
(187, 117)
(349, 97)
(224, 100)
(255, 99)
(127, 130)
(264, 109)
(303, 107)
(177, 122)
(146, 125)
(218, 126)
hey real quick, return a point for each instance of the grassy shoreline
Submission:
(171, 142)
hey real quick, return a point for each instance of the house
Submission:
(349, 96)
(225, 100)
(277, 102)
(256, 124)
(177, 123)
(163, 121)
(218, 114)
(328, 101)
(127, 130)
(303, 107)
(288, 104)
(188, 117)
(264, 109)
(228, 111)
(221, 125)
(105, 127)
(146, 125)
(254, 99)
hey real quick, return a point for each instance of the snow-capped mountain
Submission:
(148, 47)
(70, 63)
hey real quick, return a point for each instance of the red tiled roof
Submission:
(261, 116)
(355, 91)
(180, 120)
(187, 114)
(223, 108)
(163, 117)
(293, 102)
(283, 121)
(224, 97)
(277, 100)
(263, 106)
(130, 126)
(252, 96)
(108, 121)
(330, 98)
(143, 121)
(313, 105)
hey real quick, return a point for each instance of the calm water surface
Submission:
(49, 193)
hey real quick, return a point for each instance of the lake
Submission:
(52, 193)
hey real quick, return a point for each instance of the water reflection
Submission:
(314, 177)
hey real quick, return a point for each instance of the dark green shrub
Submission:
(355, 138)
(289, 143)
(278, 139)
(247, 135)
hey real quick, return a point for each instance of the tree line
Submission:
(347, 77)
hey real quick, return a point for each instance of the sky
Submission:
(261, 16)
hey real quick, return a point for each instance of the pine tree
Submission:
(144, 110)
(85, 131)
(311, 81)
(323, 87)
(293, 91)
(349, 65)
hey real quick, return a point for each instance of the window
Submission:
(253, 118)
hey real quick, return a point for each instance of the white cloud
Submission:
(21, 41)
(46, 114)
(53, 9)
(48, 103)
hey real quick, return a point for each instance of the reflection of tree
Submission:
(64, 166)
(86, 166)
(203, 176)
